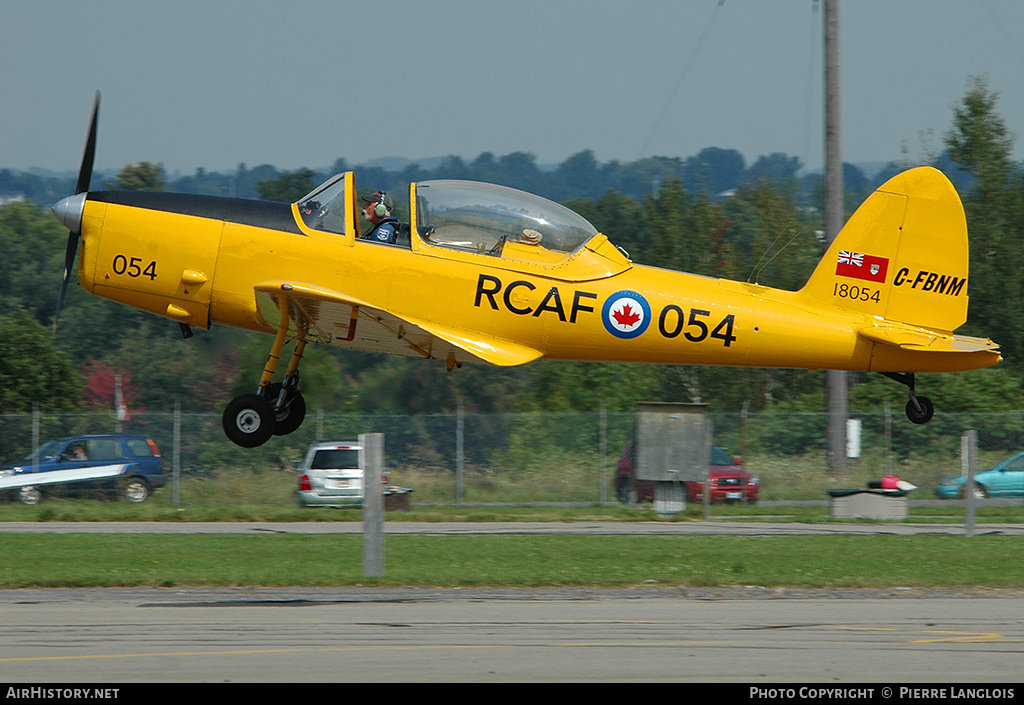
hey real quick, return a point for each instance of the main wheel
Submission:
(249, 421)
(924, 413)
(291, 416)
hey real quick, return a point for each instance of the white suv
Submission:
(330, 475)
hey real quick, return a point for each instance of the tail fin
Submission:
(902, 256)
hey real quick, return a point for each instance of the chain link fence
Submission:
(554, 457)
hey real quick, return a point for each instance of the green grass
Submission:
(266, 494)
(77, 560)
(246, 495)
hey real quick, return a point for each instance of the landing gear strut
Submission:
(919, 409)
(276, 409)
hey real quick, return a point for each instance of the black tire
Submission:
(249, 421)
(622, 489)
(135, 490)
(30, 495)
(979, 491)
(289, 418)
(923, 414)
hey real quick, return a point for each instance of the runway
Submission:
(740, 635)
(734, 635)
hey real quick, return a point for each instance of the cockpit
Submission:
(469, 219)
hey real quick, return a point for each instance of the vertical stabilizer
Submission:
(902, 256)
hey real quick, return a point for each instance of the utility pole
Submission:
(836, 398)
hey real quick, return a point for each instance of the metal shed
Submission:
(673, 445)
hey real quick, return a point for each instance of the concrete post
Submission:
(372, 463)
(969, 459)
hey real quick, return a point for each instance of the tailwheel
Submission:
(249, 421)
(920, 409)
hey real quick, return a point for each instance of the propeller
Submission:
(69, 210)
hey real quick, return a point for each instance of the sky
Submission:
(213, 84)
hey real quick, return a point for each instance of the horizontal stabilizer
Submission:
(921, 339)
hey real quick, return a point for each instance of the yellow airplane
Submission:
(487, 273)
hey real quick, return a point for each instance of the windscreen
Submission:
(49, 450)
(720, 457)
(324, 207)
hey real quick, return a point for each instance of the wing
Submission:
(335, 319)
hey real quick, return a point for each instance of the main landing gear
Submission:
(276, 409)
(919, 409)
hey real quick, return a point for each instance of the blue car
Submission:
(124, 465)
(1004, 480)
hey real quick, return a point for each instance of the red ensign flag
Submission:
(861, 266)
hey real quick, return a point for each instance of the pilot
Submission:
(377, 208)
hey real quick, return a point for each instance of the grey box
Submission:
(883, 505)
(673, 442)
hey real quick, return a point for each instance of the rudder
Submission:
(903, 255)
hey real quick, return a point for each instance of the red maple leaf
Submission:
(626, 317)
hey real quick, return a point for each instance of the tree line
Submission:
(709, 214)
(713, 170)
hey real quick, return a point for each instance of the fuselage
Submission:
(196, 260)
(487, 273)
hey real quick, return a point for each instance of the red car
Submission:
(729, 481)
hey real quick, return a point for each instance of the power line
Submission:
(679, 81)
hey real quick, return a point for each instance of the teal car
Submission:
(1004, 480)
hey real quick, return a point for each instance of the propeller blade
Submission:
(85, 172)
(61, 210)
(69, 262)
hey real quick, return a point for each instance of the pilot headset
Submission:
(380, 210)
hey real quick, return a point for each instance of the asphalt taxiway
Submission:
(387, 635)
(739, 635)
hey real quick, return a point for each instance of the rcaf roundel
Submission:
(626, 314)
